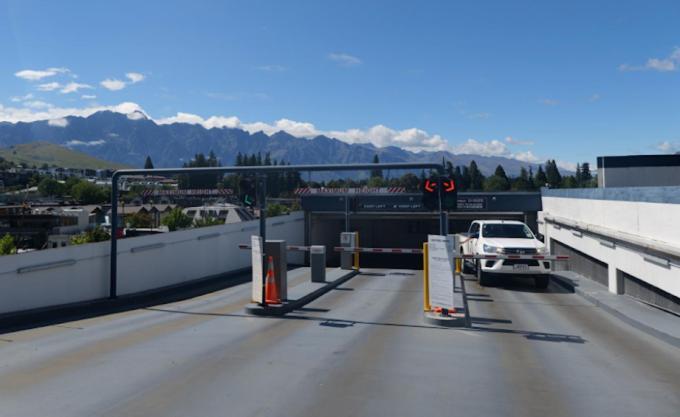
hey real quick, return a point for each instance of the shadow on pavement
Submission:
(343, 324)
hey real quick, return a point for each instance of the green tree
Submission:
(376, 172)
(540, 180)
(50, 187)
(140, 220)
(496, 183)
(569, 181)
(276, 210)
(7, 245)
(88, 193)
(375, 182)
(586, 176)
(147, 163)
(200, 180)
(552, 173)
(176, 219)
(207, 221)
(410, 181)
(476, 177)
(96, 234)
(522, 182)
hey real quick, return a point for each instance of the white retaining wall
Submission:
(657, 222)
(81, 273)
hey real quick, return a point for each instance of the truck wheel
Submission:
(542, 281)
(483, 278)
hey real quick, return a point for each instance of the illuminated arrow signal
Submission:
(430, 186)
(449, 185)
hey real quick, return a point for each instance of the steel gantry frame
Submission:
(260, 172)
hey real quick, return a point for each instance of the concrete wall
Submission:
(638, 176)
(81, 273)
(656, 223)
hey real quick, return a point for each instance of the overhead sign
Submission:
(188, 192)
(472, 203)
(256, 261)
(351, 190)
(440, 270)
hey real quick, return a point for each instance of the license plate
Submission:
(520, 267)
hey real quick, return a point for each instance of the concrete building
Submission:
(638, 171)
(627, 239)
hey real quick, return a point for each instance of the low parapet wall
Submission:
(634, 231)
(81, 273)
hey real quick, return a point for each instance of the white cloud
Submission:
(137, 115)
(135, 77)
(668, 146)
(82, 143)
(594, 98)
(74, 87)
(490, 148)
(88, 97)
(569, 166)
(19, 99)
(344, 59)
(113, 85)
(35, 75)
(527, 156)
(514, 141)
(37, 104)
(549, 101)
(271, 68)
(61, 122)
(48, 86)
(670, 63)
(25, 114)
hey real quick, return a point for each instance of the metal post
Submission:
(346, 213)
(261, 197)
(443, 216)
(113, 277)
(261, 191)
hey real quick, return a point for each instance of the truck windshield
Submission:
(514, 231)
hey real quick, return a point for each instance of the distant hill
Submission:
(39, 153)
(128, 139)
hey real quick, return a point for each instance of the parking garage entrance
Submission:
(401, 221)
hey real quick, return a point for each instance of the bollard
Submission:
(317, 263)
(347, 240)
(277, 250)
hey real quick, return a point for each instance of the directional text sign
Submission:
(256, 254)
(440, 267)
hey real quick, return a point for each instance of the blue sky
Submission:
(532, 80)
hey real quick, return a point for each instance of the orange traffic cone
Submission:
(271, 291)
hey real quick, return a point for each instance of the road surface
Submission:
(360, 350)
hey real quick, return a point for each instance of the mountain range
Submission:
(128, 138)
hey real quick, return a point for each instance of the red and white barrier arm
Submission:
(379, 250)
(290, 248)
(420, 251)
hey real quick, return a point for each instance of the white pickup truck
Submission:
(504, 237)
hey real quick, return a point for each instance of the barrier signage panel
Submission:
(440, 270)
(256, 260)
(472, 203)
